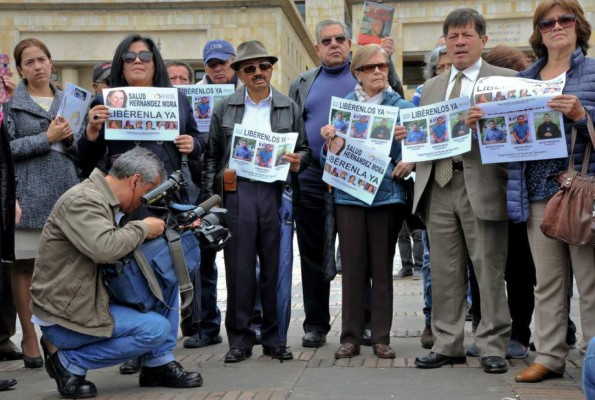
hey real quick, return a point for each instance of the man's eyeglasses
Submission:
(340, 39)
(144, 56)
(382, 67)
(565, 21)
(250, 69)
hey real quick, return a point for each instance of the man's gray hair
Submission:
(323, 24)
(138, 161)
(431, 60)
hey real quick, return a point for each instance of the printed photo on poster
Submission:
(493, 130)
(439, 130)
(340, 120)
(376, 23)
(520, 130)
(416, 132)
(547, 125)
(458, 126)
(243, 149)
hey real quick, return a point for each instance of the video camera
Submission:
(214, 227)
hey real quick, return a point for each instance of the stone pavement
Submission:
(315, 374)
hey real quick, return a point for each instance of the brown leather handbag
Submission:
(570, 213)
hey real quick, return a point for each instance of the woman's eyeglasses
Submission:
(250, 69)
(340, 39)
(382, 67)
(144, 56)
(565, 21)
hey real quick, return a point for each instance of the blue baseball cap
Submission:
(218, 49)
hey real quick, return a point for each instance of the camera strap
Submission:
(181, 270)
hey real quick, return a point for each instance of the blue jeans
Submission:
(427, 278)
(152, 335)
(589, 371)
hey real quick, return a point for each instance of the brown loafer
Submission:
(384, 351)
(536, 373)
(347, 350)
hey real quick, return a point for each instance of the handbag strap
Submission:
(587, 155)
(177, 254)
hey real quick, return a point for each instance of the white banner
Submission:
(259, 155)
(521, 130)
(203, 98)
(142, 113)
(368, 124)
(436, 131)
(354, 167)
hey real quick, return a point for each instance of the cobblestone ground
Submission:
(314, 373)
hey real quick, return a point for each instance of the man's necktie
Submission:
(443, 167)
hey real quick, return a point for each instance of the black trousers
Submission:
(367, 241)
(309, 221)
(8, 312)
(254, 219)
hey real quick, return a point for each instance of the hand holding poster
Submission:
(259, 155)
(436, 131)
(4, 71)
(203, 99)
(521, 129)
(354, 167)
(142, 113)
(74, 106)
(377, 20)
(369, 124)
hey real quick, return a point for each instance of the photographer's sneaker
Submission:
(404, 273)
(171, 375)
(516, 350)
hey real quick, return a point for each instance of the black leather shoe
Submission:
(436, 360)
(313, 339)
(197, 341)
(70, 386)
(11, 355)
(278, 352)
(131, 366)
(494, 365)
(367, 338)
(7, 383)
(171, 375)
(237, 355)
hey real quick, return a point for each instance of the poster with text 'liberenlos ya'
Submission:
(369, 124)
(354, 167)
(376, 24)
(259, 155)
(203, 98)
(521, 129)
(436, 131)
(142, 113)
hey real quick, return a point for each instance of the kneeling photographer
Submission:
(69, 297)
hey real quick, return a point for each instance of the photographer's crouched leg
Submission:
(134, 334)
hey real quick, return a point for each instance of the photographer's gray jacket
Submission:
(42, 172)
(67, 287)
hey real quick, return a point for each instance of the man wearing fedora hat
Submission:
(254, 228)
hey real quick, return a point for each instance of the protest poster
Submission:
(354, 167)
(4, 71)
(142, 113)
(376, 24)
(259, 155)
(203, 99)
(499, 88)
(521, 129)
(436, 131)
(369, 124)
(74, 105)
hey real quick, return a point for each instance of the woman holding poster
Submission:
(560, 39)
(137, 62)
(368, 234)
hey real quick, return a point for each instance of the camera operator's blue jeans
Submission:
(152, 334)
(589, 371)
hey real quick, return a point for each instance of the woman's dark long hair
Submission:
(160, 79)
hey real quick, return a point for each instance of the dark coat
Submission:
(285, 117)
(44, 174)
(7, 196)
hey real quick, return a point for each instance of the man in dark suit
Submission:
(464, 201)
